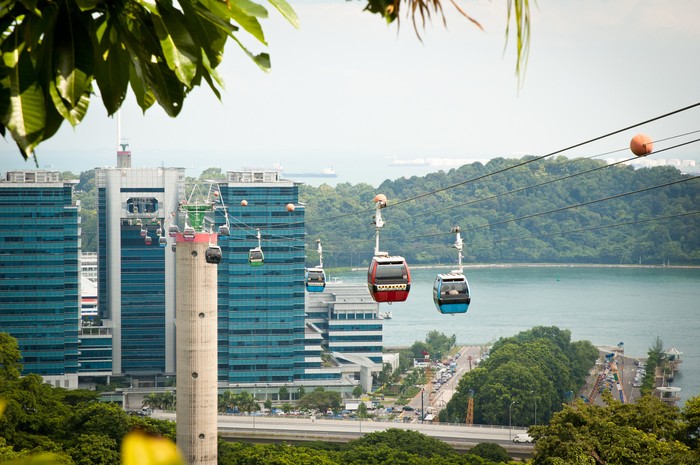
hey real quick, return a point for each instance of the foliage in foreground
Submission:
(646, 432)
(40, 424)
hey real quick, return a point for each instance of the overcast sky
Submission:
(349, 92)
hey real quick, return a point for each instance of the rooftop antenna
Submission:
(123, 152)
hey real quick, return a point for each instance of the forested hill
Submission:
(504, 217)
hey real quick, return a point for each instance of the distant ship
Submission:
(325, 173)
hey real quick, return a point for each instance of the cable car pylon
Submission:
(451, 292)
(388, 277)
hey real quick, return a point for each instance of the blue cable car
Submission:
(315, 279)
(451, 293)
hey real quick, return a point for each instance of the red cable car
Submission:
(388, 279)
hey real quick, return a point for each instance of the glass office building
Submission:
(39, 273)
(261, 308)
(136, 265)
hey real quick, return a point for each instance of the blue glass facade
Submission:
(261, 308)
(142, 302)
(39, 274)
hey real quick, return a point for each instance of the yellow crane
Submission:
(470, 408)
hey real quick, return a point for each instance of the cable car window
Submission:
(142, 205)
(391, 271)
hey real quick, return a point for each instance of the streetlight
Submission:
(510, 426)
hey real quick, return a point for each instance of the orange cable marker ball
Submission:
(641, 145)
(244, 203)
(290, 207)
(380, 198)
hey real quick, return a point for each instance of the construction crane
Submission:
(470, 408)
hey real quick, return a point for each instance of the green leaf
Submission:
(87, 5)
(287, 11)
(177, 44)
(167, 89)
(144, 97)
(250, 8)
(74, 114)
(112, 71)
(26, 114)
(148, 5)
(212, 75)
(72, 58)
(262, 60)
(241, 15)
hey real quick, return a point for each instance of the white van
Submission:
(522, 437)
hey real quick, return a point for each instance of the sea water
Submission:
(605, 305)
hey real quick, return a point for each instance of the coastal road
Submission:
(442, 396)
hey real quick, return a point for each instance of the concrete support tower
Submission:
(196, 303)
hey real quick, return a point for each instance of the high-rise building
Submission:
(40, 273)
(136, 278)
(261, 305)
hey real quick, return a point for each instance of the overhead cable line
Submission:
(541, 157)
(526, 162)
(543, 183)
(569, 207)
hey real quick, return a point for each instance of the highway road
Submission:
(293, 429)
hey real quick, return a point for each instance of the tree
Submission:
(491, 451)
(362, 410)
(587, 434)
(283, 393)
(691, 418)
(410, 442)
(55, 53)
(93, 449)
(357, 391)
(10, 368)
(321, 400)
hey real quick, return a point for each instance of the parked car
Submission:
(522, 437)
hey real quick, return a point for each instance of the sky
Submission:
(373, 102)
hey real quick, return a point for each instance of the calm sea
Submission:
(604, 305)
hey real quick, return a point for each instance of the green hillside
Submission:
(504, 216)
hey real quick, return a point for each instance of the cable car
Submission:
(224, 230)
(188, 233)
(162, 241)
(388, 279)
(451, 293)
(256, 257)
(173, 230)
(315, 279)
(213, 254)
(148, 240)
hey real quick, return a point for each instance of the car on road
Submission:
(522, 437)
